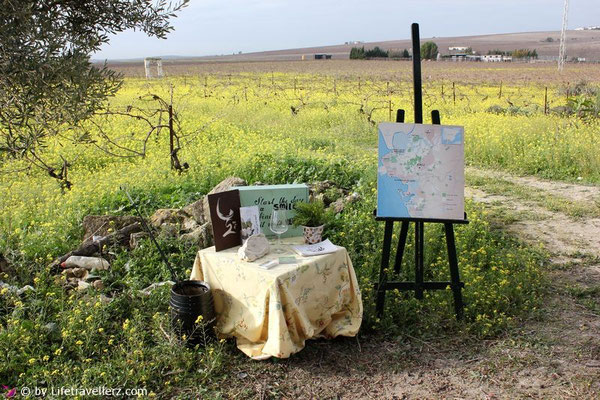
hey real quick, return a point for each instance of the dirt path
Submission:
(557, 356)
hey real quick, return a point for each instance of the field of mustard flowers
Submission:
(273, 128)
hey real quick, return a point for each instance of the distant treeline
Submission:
(359, 53)
(518, 53)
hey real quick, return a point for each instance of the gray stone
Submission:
(24, 289)
(105, 299)
(98, 285)
(196, 211)
(223, 186)
(254, 248)
(189, 224)
(320, 187)
(169, 230)
(201, 236)
(135, 238)
(339, 205)
(75, 273)
(82, 286)
(15, 289)
(99, 225)
(167, 216)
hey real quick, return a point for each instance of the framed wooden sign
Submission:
(225, 218)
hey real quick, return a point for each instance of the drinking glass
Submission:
(279, 226)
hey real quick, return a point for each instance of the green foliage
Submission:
(524, 53)
(429, 50)
(405, 53)
(128, 339)
(376, 52)
(357, 53)
(311, 214)
(48, 87)
(498, 52)
(584, 106)
(518, 53)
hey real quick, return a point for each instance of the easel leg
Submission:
(419, 239)
(401, 245)
(454, 275)
(385, 263)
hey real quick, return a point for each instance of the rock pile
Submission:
(332, 195)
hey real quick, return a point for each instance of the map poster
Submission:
(421, 171)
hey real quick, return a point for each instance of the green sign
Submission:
(274, 197)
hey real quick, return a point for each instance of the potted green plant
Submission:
(312, 217)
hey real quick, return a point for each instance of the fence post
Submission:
(500, 92)
(546, 101)
(454, 92)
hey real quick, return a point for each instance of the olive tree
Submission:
(48, 86)
(429, 50)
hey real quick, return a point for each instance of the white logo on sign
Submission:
(229, 224)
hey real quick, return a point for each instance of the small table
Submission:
(273, 311)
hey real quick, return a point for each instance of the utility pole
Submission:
(562, 53)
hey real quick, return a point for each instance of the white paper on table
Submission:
(307, 250)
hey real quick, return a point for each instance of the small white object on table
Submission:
(272, 311)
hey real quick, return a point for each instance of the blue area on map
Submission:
(457, 139)
(391, 197)
(383, 149)
(401, 140)
(390, 190)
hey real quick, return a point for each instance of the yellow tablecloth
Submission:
(272, 312)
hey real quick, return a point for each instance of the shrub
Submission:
(376, 52)
(357, 53)
(311, 214)
(429, 50)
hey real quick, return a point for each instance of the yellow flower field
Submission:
(273, 128)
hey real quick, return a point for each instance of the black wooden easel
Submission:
(418, 285)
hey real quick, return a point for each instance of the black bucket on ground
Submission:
(189, 300)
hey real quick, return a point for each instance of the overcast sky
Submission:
(208, 27)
